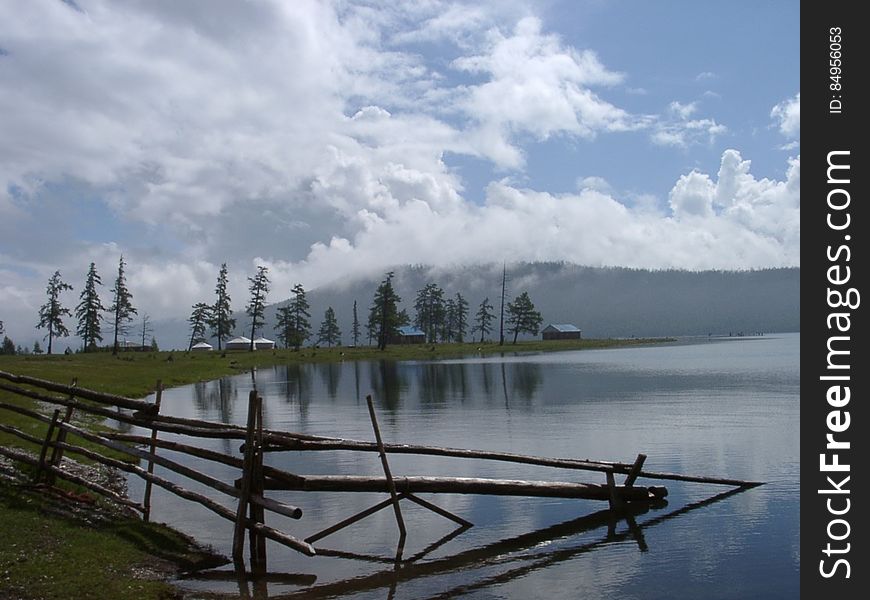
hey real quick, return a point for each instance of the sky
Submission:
(330, 140)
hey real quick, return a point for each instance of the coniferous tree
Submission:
(146, 328)
(198, 320)
(523, 317)
(89, 311)
(2, 330)
(122, 306)
(430, 311)
(483, 320)
(8, 347)
(384, 313)
(501, 317)
(52, 312)
(355, 331)
(256, 308)
(221, 321)
(461, 317)
(293, 319)
(448, 323)
(37, 349)
(329, 331)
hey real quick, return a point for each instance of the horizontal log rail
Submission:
(92, 395)
(23, 457)
(466, 485)
(277, 441)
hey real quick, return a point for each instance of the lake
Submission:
(727, 407)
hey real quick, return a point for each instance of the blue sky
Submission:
(329, 140)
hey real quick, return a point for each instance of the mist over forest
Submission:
(602, 302)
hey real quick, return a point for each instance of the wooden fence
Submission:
(255, 477)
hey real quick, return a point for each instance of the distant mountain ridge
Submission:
(602, 302)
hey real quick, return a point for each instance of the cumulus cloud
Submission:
(537, 85)
(787, 115)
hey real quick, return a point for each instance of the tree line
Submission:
(440, 318)
(90, 312)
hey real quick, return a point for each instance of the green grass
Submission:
(45, 555)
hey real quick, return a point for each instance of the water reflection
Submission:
(535, 551)
(715, 409)
(216, 398)
(387, 382)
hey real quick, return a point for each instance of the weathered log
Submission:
(270, 533)
(196, 451)
(294, 512)
(467, 485)
(244, 493)
(283, 578)
(58, 472)
(152, 450)
(99, 397)
(391, 487)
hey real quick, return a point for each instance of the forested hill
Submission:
(603, 302)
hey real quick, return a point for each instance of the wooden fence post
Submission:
(45, 444)
(245, 495)
(146, 503)
(257, 512)
(57, 451)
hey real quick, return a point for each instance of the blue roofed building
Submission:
(408, 334)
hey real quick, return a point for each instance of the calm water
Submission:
(725, 408)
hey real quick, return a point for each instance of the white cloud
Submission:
(307, 137)
(536, 85)
(678, 128)
(787, 115)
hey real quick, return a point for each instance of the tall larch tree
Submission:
(122, 309)
(329, 332)
(52, 312)
(199, 319)
(355, 329)
(501, 317)
(483, 319)
(256, 308)
(89, 311)
(461, 317)
(430, 311)
(221, 320)
(145, 328)
(384, 313)
(293, 319)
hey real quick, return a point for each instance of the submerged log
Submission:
(467, 485)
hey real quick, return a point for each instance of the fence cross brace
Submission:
(394, 499)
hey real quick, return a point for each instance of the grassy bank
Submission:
(48, 554)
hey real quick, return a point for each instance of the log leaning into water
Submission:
(466, 485)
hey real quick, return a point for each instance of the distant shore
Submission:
(135, 374)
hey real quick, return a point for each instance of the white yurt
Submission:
(202, 347)
(239, 343)
(262, 343)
